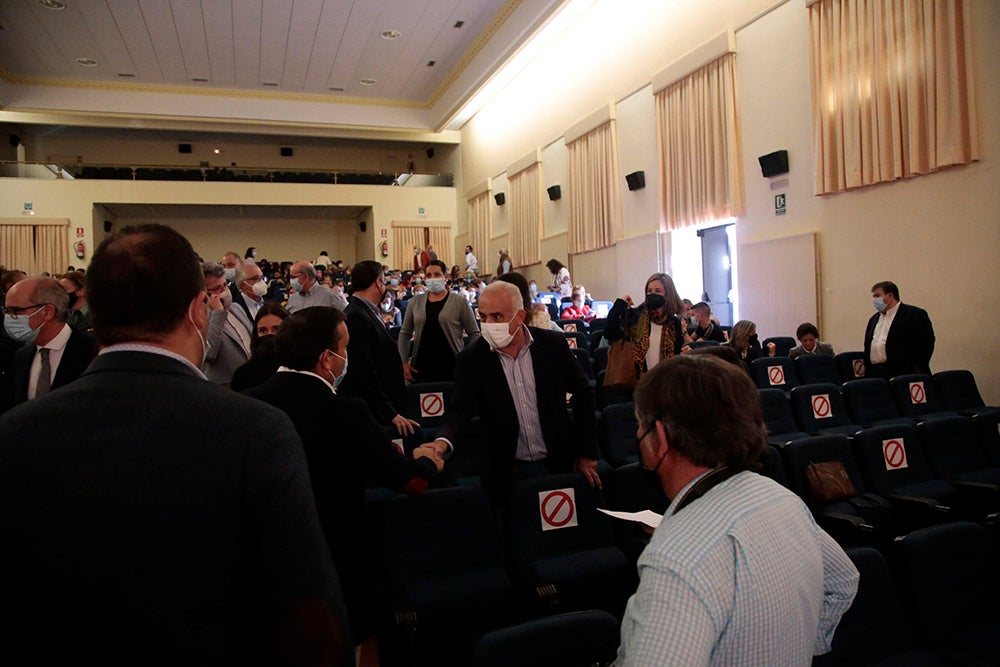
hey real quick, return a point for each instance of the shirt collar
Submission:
(286, 369)
(59, 341)
(151, 349)
(891, 312)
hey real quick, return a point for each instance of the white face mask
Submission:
(435, 285)
(497, 334)
(259, 288)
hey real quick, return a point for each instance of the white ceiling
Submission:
(250, 61)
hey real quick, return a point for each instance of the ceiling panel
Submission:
(130, 24)
(159, 22)
(301, 44)
(246, 48)
(275, 20)
(329, 35)
(218, 23)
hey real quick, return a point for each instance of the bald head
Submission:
(40, 291)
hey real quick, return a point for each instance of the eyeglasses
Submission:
(16, 311)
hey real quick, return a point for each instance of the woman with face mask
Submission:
(578, 308)
(391, 315)
(263, 362)
(435, 322)
(653, 328)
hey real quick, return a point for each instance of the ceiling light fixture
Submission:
(87, 62)
(269, 83)
(391, 34)
(52, 4)
(337, 90)
(199, 79)
(126, 75)
(368, 82)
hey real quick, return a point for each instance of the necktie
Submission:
(44, 375)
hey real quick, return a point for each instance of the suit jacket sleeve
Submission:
(292, 570)
(383, 462)
(213, 339)
(614, 327)
(364, 382)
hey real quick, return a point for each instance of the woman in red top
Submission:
(578, 310)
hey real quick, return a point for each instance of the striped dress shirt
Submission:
(742, 576)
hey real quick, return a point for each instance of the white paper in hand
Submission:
(645, 517)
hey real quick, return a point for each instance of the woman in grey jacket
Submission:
(435, 321)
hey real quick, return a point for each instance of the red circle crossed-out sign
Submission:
(557, 509)
(895, 455)
(917, 394)
(776, 374)
(859, 368)
(431, 405)
(821, 406)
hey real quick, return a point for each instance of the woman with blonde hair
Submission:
(653, 328)
(743, 339)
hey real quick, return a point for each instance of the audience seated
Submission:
(808, 336)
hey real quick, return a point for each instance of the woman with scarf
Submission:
(653, 327)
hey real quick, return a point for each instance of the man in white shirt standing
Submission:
(738, 572)
(471, 262)
(899, 338)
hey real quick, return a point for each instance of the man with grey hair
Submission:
(53, 354)
(228, 339)
(307, 292)
(516, 378)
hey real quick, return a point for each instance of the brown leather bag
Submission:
(621, 372)
(828, 482)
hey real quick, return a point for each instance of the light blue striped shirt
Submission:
(520, 374)
(742, 576)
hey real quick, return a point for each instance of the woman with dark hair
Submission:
(391, 315)
(743, 339)
(250, 256)
(263, 362)
(653, 328)
(562, 284)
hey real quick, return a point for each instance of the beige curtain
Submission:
(403, 240)
(595, 195)
(480, 225)
(441, 240)
(698, 141)
(526, 215)
(893, 91)
(51, 248)
(17, 247)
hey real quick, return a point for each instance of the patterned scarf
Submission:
(639, 335)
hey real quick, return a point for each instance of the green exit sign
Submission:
(779, 204)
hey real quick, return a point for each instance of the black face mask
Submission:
(753, 338)
(655, 301)
(72, 299)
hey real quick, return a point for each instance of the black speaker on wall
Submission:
(430, 153)
(183, 148)
(107, 226)
(774, 164)
(501, 198)
(636, 180)
(286, 151)
(555, 192)
(363, 226)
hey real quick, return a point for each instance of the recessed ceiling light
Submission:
(87, 62)
(368, 82)
(391, 34)
(52, 4)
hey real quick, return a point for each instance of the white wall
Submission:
(936, 236)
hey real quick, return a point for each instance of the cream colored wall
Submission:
(936, 236)
(75, 199)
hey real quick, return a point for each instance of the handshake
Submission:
(435, 451)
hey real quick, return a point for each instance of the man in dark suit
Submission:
(899, 338)
(150, 516)
(516, 379)
(53, 354)
(377, 372)
(312, 347)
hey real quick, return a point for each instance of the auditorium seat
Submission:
(599, 356)
(916, 397)
(583, 357)
(617, 427)
(782, 377)
(575, 639)
(819, 408)
(446, 573)
(595, 340)
(598, 324)
(563, 551)
(850, 365)
(869, 403)
(959, 393)
(892, 463)
(873, 631)
(782, 345)
(949, 584)
(954, 454)
(778, 419)
(771, 465)
(580, 339)
(571, 325)
(987, 425)
(857, 519)
(427, 403)
(634, 490)
(817, 368)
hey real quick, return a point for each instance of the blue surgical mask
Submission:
(879, 303)
(435, 285)
(18, 328)
(230, 274)
(340, 378)
(394, 282)
(417, 281)
(296, 285)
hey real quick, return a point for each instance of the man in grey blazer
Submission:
(228, 336)
(140, 526)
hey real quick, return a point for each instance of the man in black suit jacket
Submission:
(39, 305)
(525, 425)
(149, 516)
(376, 371)
(312, 347)
(899, 338)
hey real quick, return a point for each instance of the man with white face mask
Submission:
(899, 338)
(248, 290)
(516, 379)
(228, 339)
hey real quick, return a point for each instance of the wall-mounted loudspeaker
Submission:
(555, 192)
(501, 198)
(363, 226)
(107, 226)
(286, 151)
(430, 153)
(183, 148)
(636, 180)
(15, 140)
(774, 164)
